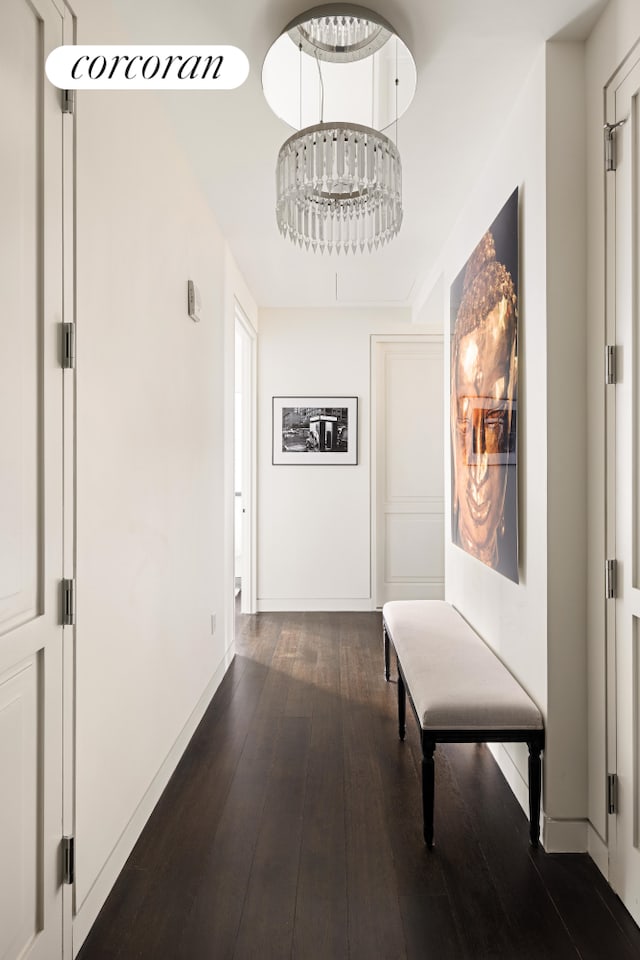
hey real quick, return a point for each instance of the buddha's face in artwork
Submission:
(482, 391)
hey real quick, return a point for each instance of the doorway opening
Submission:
(244, 573)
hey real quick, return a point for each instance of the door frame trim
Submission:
(248, 598)
(69, 31)
(609, 336)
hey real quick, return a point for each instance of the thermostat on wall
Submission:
(194, 302)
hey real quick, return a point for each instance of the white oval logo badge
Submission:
(147, 67)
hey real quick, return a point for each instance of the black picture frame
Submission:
(315, 431)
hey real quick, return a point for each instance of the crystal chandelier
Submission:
(339, 184)
(339, 187)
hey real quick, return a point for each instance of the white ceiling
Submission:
(472, 57)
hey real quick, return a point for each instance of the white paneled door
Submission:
(30, 486)
(623, 195)
(408, 470)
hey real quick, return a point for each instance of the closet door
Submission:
(409, 469)
(623, 248)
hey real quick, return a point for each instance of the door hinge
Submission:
(612, 793)
(68, 859)
(611, 578)
(611, 365)
(68, 346)
(68, 101)
(610, 159)
(68, 603)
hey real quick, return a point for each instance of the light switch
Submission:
(194, 302)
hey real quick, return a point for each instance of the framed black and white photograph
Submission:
(315, 430)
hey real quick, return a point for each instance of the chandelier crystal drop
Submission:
(339, 187)
(339, 38)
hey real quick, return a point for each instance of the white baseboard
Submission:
(556, 836)
(564, 836)
(297, 605)
(598, 851)
(95, 899)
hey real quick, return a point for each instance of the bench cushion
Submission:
(456, 682)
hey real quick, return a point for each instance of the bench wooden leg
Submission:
(402, 707)
(535, 787)
(428, 790)
(387, 664)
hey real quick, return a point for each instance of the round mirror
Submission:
(339, 63)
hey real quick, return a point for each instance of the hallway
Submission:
(291, 828)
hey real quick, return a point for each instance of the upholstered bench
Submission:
(460, 692)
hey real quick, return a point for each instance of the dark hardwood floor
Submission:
(292, 828)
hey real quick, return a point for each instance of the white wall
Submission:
(154, 470)
(566, 755)
(513, 618)
(314, 535)
(537, 626)
(617, 31)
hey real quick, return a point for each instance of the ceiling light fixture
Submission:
(340, 38)
(339, 186)
(339, 183)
